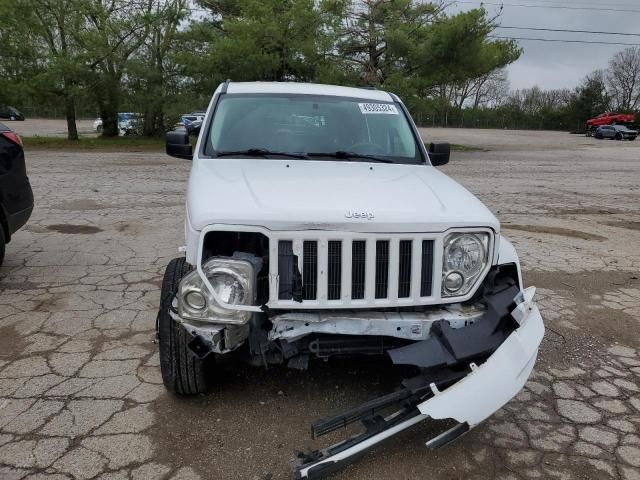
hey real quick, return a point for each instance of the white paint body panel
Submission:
(308, 89)
(296, 194)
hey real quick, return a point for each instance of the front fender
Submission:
(507, 254)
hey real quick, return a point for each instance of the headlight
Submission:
(231, 279)
(465, 258)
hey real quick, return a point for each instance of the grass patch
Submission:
(456, 147)
(94, 143)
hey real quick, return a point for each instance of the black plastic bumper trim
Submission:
(449, 436)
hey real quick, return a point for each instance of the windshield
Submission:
(322, 127)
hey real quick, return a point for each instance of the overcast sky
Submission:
(560, 65)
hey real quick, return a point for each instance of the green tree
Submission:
(264, 40)
(377, 37)
(152, 73)
(589, 99)
(42, 38)
(112, 32)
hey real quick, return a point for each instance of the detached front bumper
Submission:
(491, 385)
(467, 397)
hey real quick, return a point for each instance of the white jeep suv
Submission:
(317, 226)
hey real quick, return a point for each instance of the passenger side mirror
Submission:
(439, 153)
(178, 145)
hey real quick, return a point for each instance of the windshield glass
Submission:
(319, 126)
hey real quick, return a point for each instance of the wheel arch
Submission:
(507, 255)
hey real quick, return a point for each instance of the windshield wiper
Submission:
(259, 152)
(349, 155)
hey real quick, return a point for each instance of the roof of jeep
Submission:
(308, 89)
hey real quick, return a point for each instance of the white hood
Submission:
(307, 195)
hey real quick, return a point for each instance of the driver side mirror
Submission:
(178, 145)
(439, 153)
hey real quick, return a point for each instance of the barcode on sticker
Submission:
(383, 108)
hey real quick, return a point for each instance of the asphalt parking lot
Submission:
(80, 388)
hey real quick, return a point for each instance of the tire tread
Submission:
(182, 372)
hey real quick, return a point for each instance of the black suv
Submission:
(11, 113)
(16, 197)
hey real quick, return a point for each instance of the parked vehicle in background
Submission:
(317, 226)
(188, 118)
(11, 113)
(615, 132)
(128, 124)
(191, 122)
(16, 197)
(193, 128)
(610, 118)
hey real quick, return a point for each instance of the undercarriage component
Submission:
(466, 396)
(326, 346)
(408, 325)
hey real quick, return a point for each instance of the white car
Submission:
(318, 226)
(127, 123)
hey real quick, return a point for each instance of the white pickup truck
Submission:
(318, 226)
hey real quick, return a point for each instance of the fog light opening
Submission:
(453, 282)
(195, 300)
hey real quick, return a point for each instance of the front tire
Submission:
(182, 371)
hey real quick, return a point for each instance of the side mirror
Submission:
(439, 153)
(178, 145)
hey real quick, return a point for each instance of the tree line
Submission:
(616, 88)
(165, 57)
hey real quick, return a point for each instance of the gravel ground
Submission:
(80, 388)
(47, 127)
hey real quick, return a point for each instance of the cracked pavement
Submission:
(80, 388)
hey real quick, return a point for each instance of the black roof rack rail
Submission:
(225, 85)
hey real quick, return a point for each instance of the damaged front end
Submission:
(281, 304)
(466, 375)
(470, 359)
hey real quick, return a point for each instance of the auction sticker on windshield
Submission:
(383, 108)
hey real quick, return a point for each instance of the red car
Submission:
(611, 118)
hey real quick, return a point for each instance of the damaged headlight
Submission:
(233, 282)
(465, 258)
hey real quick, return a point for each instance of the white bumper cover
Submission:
(490, 386)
